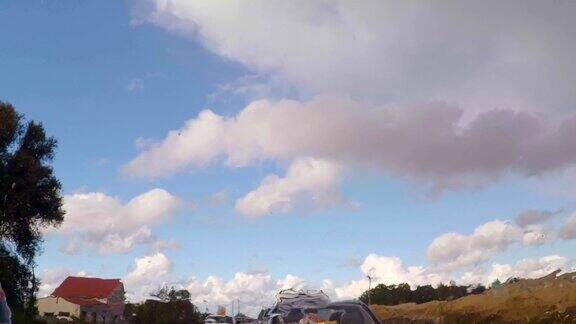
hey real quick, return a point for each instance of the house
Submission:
(92, 299)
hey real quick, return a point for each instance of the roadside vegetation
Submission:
(30, 200)
(550, 299)
(170, 306)
(402, 293)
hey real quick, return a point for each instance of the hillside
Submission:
(550, 299)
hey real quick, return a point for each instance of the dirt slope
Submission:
(550, 299)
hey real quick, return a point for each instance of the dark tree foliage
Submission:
(399, 294)
(173, 306)
(20, 288)
(166, 294)
(30, 199)
(29, 192)
(159, 312)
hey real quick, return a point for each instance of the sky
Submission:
(238, 148)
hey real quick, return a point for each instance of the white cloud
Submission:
(120, 243)
(308, 181)
(253, 289)
(430, 143)
(197, 144)
(387, 270)
(102, 223)
(525, 268)
(486, 54)
(256, 290)
(147, 274)
(536, 237)
(454, 251)
(390, 270)
(481, 55)
(535, 268)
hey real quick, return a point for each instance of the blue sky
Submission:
(104, 76)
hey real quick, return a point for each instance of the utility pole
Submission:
(369, 290)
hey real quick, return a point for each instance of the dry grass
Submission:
(550, 299)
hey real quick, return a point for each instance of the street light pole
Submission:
(369, 290)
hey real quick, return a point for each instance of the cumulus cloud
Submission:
(485, 53)
(308, 181)
(390, 270)
(532, 268)
(430, 143)
(253, 289)
(536, 237)
(386, 270)
(147, 274)
(256, 290)
(453, 251)
(525, 268)
(103, 223)
(481, 55)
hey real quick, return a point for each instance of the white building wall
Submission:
(57, 305)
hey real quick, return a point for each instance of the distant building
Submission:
(91, 299)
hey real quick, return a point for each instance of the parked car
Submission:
(294, 307)
(5, 314)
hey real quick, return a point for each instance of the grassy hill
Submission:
(550, 299)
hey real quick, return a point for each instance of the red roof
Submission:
(86, 287)
(84, 302)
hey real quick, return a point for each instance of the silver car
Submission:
(294, 307)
